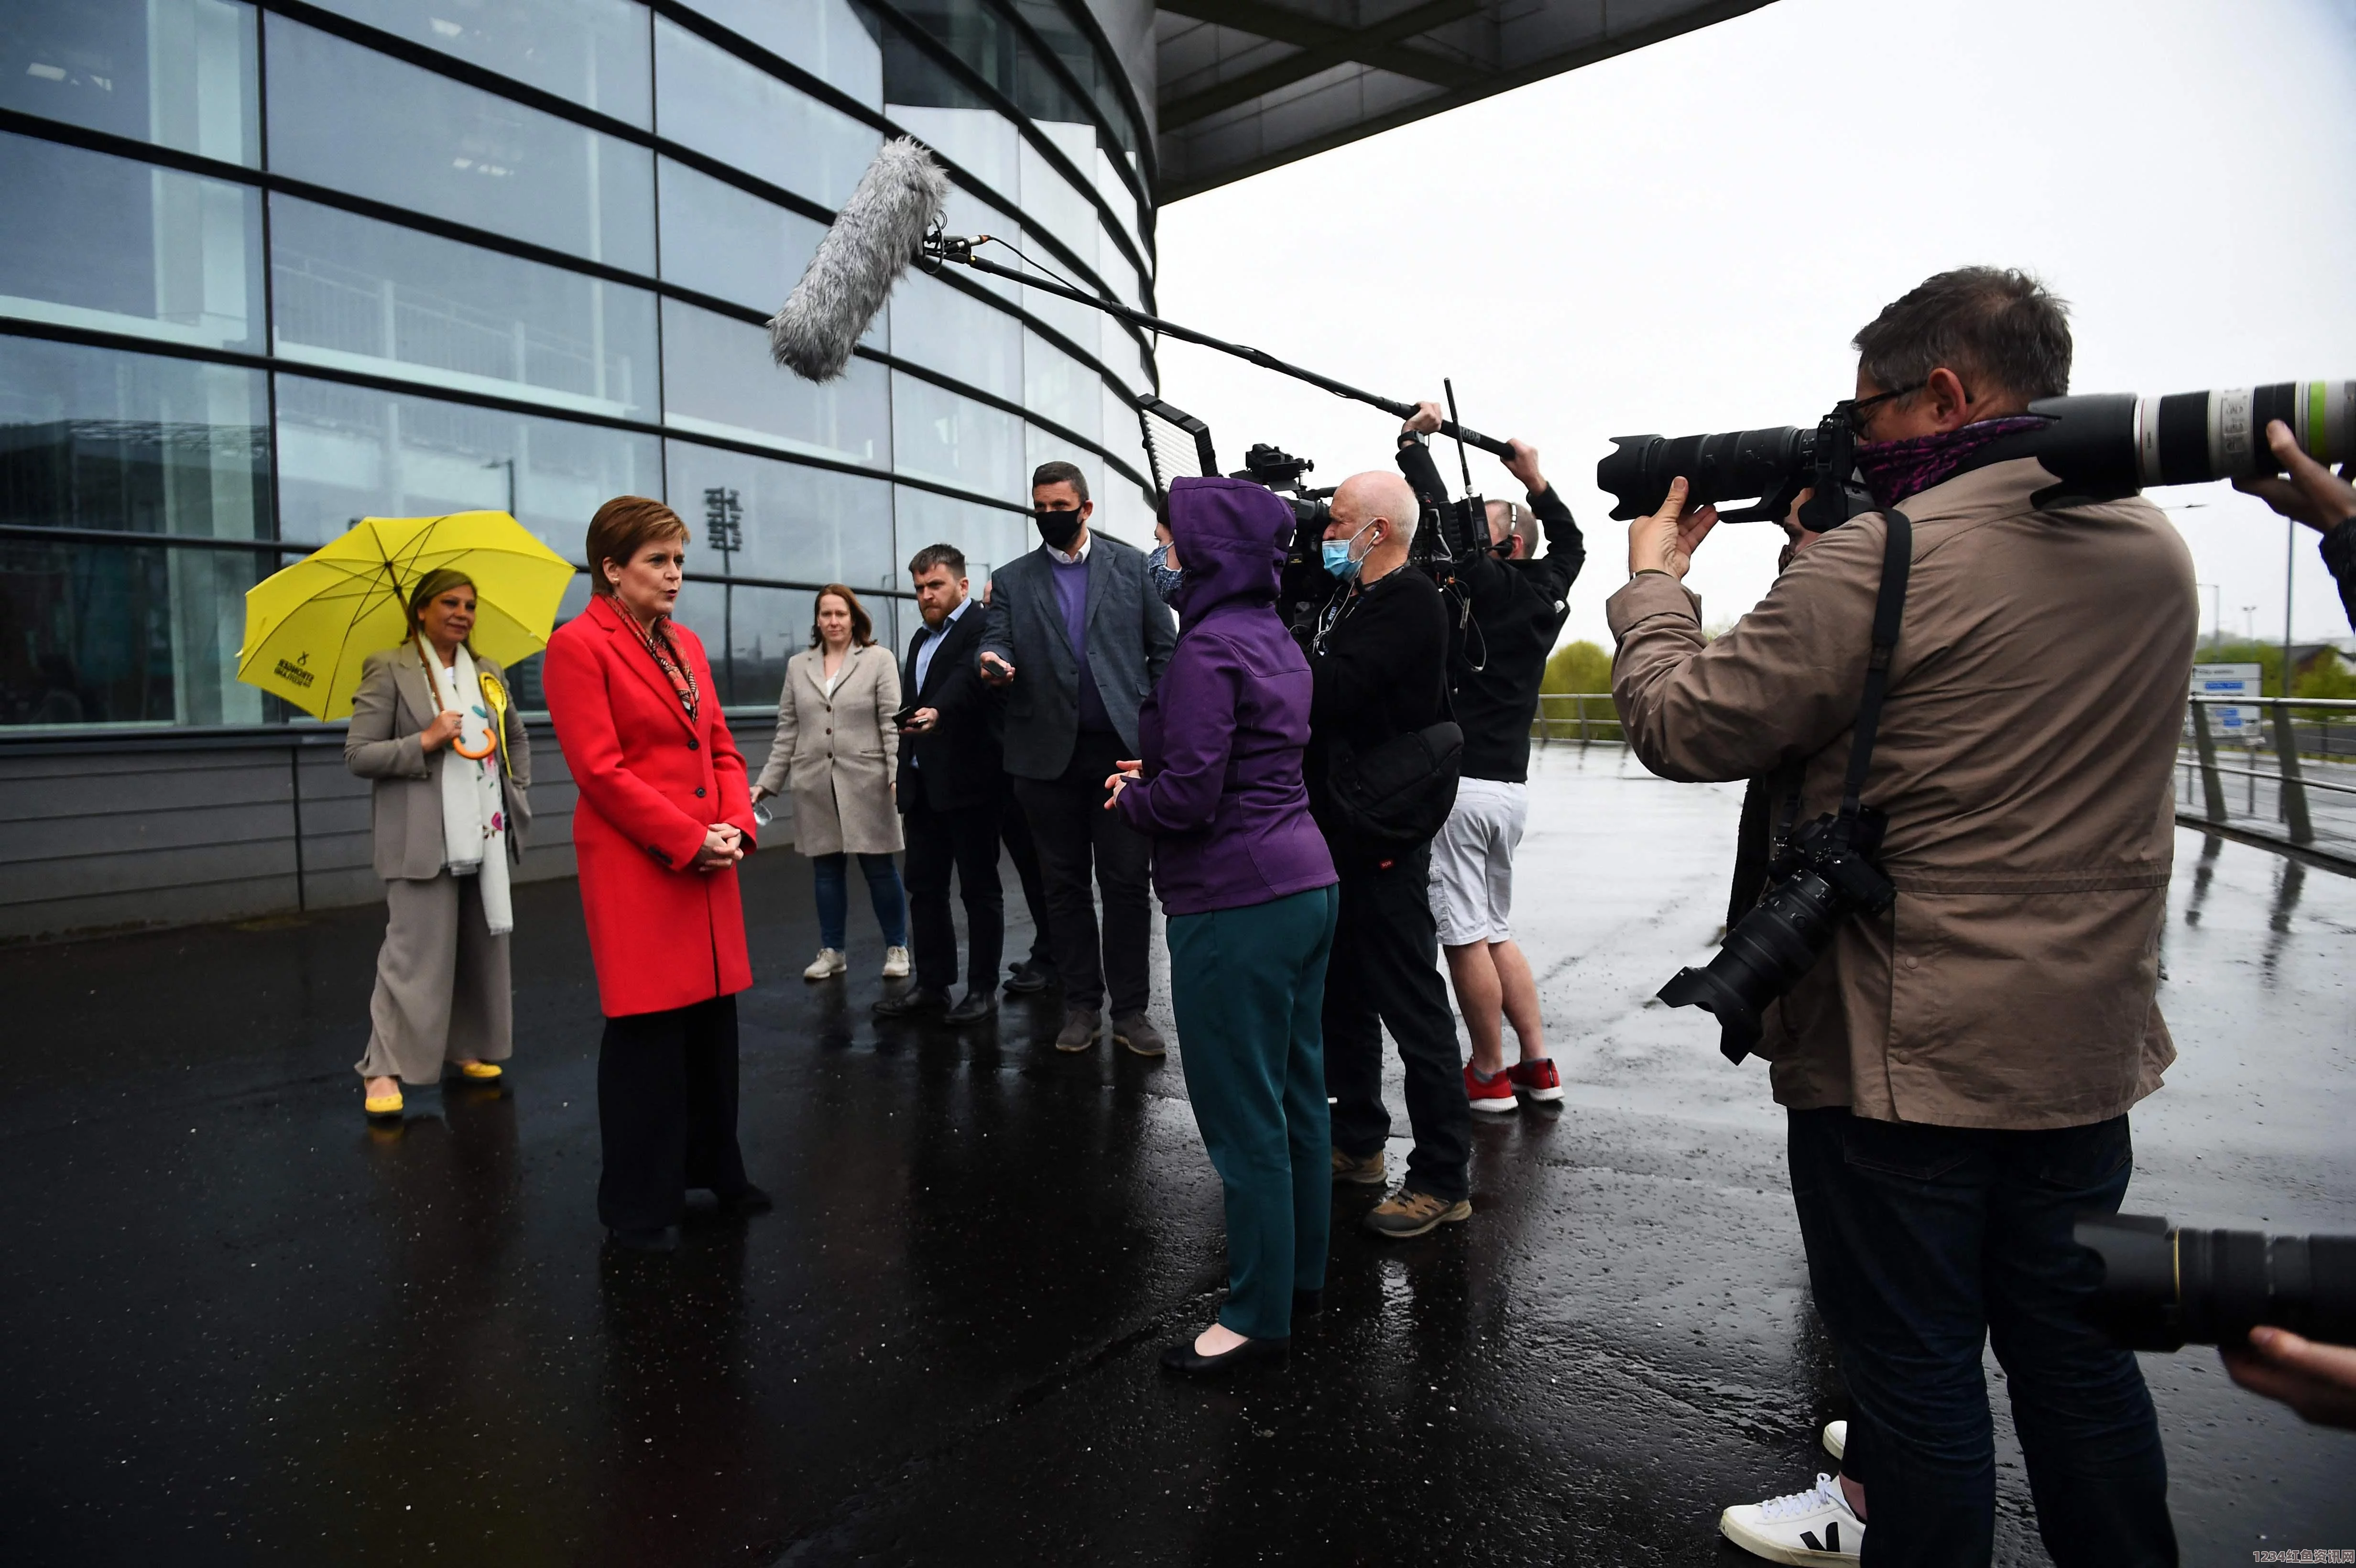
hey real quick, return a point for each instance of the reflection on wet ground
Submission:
(237, 1325)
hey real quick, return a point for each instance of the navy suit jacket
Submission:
(1129, 635)
(956, 766)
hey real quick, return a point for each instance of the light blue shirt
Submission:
(933, 643)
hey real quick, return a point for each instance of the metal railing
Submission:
(1587, 717)
(2279, 778)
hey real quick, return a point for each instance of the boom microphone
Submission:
(869, 245)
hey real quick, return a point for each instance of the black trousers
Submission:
(1926, 1244)
(667, 1113)
(1016, 829)
(965, 838)
(1384, 971)
(1070, 826)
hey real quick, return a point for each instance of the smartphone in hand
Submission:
(900, 719)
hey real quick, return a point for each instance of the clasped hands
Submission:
(724, 845)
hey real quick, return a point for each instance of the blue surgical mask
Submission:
(1164, 577)
(1339, 562)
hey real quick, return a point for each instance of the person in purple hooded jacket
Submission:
(1249, 890)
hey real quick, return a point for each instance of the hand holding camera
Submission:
(1665, 541)
(2312, 493)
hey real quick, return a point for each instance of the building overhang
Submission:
(1247, 85)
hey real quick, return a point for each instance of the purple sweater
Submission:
(1221, 736)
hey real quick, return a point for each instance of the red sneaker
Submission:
(1537, 1078)
(1495, 1095)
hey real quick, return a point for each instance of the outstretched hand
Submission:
(2312, 495)
(1665, 541)
(2317, 1380)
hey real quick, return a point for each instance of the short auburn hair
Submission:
(622, 526)
(862, 630)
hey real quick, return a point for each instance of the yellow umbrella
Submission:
(309, 627)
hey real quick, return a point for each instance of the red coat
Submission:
(651, 782)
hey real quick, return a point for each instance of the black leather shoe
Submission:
(660, 1239)
(1026, 979)
(1188, 1363)
(916, 1002)
(976, 1006)
(753, 1200)
(1307, 1304)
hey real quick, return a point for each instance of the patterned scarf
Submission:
(1895, 470)
(655, 640)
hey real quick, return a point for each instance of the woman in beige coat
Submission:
(838, 750)
(431, 725)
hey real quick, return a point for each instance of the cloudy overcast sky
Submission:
(1686, 239)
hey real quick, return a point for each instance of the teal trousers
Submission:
(1249, 986)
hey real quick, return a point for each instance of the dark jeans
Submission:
(1926, 1243)
(1384, 972)
(667, 1113)
(1070, 826)
(831, 874)
(1016, 829)
(966, 839)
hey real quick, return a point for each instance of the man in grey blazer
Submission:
(1077, 638)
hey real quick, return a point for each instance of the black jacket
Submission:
(957, 764)
(1518, 609)
(1381, 672)
(2339, 555)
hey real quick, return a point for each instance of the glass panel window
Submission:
(1045, 446)
(351, 119)
(719, 381)
(179, 74)
(945, 115)
(747, 119)
(749, 634)
(348, 453)
(831, 40)
(720, 240)
(951, 440)
(988, 536)
(763, 516)
(122, 246)
(1050, 204)
(948, 330)
(593, 52)
(94, 634)
(358, 295)
(96, 438)
(1057, 387)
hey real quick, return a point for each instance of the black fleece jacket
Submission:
(1518, 609)
(1382, 672)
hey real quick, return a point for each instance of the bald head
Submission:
(1377, 510)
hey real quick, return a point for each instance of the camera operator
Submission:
(1378, 664)
(1518, 606)
(2322, 499)
(1956, 1070)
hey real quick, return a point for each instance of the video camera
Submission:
(2165, 1287)
(2098, 447)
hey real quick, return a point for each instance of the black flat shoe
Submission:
(973, 1009)
(914, 1003)
(661, 1239)
(751, 1201)
(1188, 1363)
(1022, 980)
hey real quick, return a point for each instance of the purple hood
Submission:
(1221, 736)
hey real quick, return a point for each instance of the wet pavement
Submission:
(238, 1326)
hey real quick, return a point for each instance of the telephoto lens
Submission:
(2165, 1287)
(1734, 465)
(1771, 946)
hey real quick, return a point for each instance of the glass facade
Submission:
(298, 266)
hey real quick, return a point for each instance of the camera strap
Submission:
(1888, 607)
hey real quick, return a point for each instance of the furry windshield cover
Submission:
(871, 243)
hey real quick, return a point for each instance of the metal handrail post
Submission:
(2294, 787)
(2213, 783)
(1581, 700)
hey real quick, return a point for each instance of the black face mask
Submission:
(1058, 528)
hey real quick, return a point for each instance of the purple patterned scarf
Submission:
(1894, 470)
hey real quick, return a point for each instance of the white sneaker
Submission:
(1814, 1526)
(1836, 1438)
(895, 963)
(829, 963)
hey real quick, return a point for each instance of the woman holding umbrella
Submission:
(432, 726)
(663, 819)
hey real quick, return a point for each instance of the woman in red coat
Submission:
(663, 819)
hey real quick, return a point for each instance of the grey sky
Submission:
(1685, 238)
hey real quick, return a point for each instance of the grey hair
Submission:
(1996, 324)
(1519, 520)
(860, 256)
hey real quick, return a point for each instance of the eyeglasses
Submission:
(1858, 411)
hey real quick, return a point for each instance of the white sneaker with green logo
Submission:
(1814, 1526)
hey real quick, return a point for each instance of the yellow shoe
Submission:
(382, 1104)
(480, 1072)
